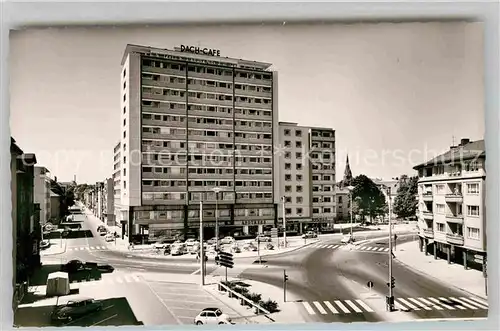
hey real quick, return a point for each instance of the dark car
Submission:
(75, 308)
(74, 266)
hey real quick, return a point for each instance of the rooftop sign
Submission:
(198, 50)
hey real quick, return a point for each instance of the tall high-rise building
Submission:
(306, 176)
(196, 126)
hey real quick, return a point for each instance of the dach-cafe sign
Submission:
(198, 50)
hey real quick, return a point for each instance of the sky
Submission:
(396, 94)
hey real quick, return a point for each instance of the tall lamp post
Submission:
(284, 223)
(350, 188)
(391, 282)
(216, 190)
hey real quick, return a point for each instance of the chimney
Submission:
(464, 141)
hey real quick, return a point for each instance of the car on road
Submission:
(235, 248)
(212, 241)
(190, 242)
(75, 308)
(109, 237)
(227, 240)
(44, 244)
(250, 247)
(161, 244)
(347, 239)
(75, 266)
(178, 249)
(101, 229)
(262, 238)
(309, 234)
(212, 316)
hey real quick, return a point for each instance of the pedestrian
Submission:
(197, 257)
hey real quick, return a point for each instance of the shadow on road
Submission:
(74, 234)
(92, 272)
(115, 312)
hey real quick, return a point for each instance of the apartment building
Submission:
(451, 210)
(306, 179)
(109, 206)
(120, 216)
(42, 194)
(196, 126)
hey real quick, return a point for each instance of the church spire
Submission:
(347, 173)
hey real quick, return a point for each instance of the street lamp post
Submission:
(284, 223)
(350, 188)
(216, 190)
(202, 249)
(391, 294)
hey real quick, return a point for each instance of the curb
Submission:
(482, 296)
(246, 318)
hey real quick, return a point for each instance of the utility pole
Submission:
(285, 279)
(202, 249)
(284, 223)
(391, 281)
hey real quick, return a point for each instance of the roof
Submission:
(14, 149)
(469, 151)
(224, 60)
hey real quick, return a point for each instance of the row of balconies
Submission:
(195, 112)
(191, 125)
(451, 197)
(450, 217)
(451, 238)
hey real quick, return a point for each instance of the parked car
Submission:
(347, 239)
(75, 308)
(44, 244)
(212, 241)
(190, 242)
(109, 237)
(309, 234)
(161, 244)
(74, 266)
(235, 248)
(262, 238)
(178, 249)
(167, 250)
(211, 316)
(227, 240)
(250, 247)
(269, 246)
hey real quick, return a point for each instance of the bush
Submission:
(269, 305)
(254, 297)
(231, 285)
(240, 290)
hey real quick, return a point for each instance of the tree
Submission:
(66, 196)
(405, 203)
(367, 198)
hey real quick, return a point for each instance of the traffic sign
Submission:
(370, 284)
(226, 259)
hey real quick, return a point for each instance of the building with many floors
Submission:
(26, 231)
(195, 127)
(42, 193)
(306, 176)
(451, 204)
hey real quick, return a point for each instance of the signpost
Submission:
(370, 285)
(285, 279)
(226, 260)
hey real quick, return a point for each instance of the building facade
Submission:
(42, 193)
(306, 179)
(27, 232)
(109, 213)
(196, 127)
(451, 210)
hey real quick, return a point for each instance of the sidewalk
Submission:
(289, 311)
(468, 280)
(57, 246)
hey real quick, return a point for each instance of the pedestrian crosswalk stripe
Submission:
(341, 306)
(82, 248)
(474, 302)
(330, 246)
(398, 305)
(386, 250)
(408, 304)
(441, 304)
(463, 303)
(320, 307)
(482, 302)
(309, 309)
(448, 301)
(430, 303)
(331, 307)
(136, 278)
(381, 249)
(92, 247)
(365, 306)
(353, 306)
(420, 304)
(369, 248)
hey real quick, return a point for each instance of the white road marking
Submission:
(330, 246)
(82, 248)
(342, 307)
(427, 302)
(369, 248)
(381, 249)
(473, 302)
(353, 306)
(103, 247)
(331, 307)
(308, 307)
(91, 247)
(441, 304)
(463, 303)
(386, 250)
(196, 271)
(336, 246)
(398, 305)
(482, 302)
(364, 306)
(446, 300)
(320, 307)
(408, 304)
(422, 305)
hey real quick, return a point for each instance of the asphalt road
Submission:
(329, 282)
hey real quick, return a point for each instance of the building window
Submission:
(288, 177)
(124, 159)
(288, 188)
(288, 166)
(298, 155)
(315, 210)
(124, 147)
(340, 199)
(288, 211)
(124, 110)
(124, 97)
(124, 121)
(124, 172)
(124, 84)
(440, 227)
(298, 144)
(124, 184)
(288, 143)
(298, 166)
(315, 200)
(440, 208)
(440, 189)
(473, 233)
(287, 155)
(299, 188)
(124, 134)
(298, 210)
(327, 199)
(298, 199)
(288, 199)
(298, 178)
(298, 133)
(327, 210)
(287, 132)
(473, 211)
(473, 188)
(472, 166)
(124, 73)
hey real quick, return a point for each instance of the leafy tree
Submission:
(66, 196)
(368, 200)
(405, 203)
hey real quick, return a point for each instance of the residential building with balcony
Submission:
(195, 128)
(25, 230)
(306, 179)
(42, 194)
(451, 204)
